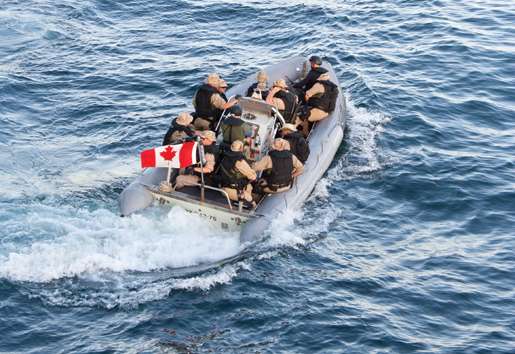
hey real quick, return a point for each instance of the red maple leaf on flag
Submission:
(168, 154)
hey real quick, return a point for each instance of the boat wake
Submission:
(70, 256)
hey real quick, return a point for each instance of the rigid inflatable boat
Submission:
(263, 122)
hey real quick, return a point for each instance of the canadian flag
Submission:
(174, 156)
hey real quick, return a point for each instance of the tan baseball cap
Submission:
(280, 83)
(281, 144)
(289, 126)
(262, 76)
(213, 79)
(208, 134)
(184, 118)
(237, 145)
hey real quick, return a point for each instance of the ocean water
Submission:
(405, 246)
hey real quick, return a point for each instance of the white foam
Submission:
(92, 243)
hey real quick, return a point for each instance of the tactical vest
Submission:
(282, 169)
(174, 127)
(327, 101)
(232, 130)
(289, 104)
(230, 176)
(253, 87)
(203, 107)
(313, 76)
(298, 146)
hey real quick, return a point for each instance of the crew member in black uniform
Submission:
(280, 167)
(307, 83)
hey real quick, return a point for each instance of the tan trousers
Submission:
(233, 193)
(316, 114)
(201, 124)
(186, 181)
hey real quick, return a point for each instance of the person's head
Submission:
(222, 86)
(237, 146)
(184, 118)
(262, 77)
(288, 128)
(236, 110)
(281, 144)
(315, 61)
(208, 137)
(213, 79)
(280, 84)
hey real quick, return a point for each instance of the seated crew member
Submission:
(222, 89)
(321, 101)
(208, 139)
(280, 167)
(283, 100)
(307, 83)
(298, 145)
(259, 89)
(232, 127)
(235, 174)
(180, 128)
(209, 104)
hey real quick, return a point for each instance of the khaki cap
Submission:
(223, 83)
(184, 118)
(289, 126)
(213, 79)
(262, 76)
(237, 145)
(280, 83)
(208, 134)
(281, 144)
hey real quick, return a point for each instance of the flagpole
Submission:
(201, 158)
(169, 172)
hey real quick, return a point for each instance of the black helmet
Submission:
(315, 59)
(236, 110)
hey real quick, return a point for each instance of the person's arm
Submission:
(298, 167)
(245, 169)
(264, 164)
(219, 102)
(209, 166)
(270, 96)
(317, 88)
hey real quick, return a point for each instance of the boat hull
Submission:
(324, 142)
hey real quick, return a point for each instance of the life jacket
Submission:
(327, 101)
(282, 168)
(203, 107)
(311, 79)
(223, 96)
(253, 87)
(230, 176)
(290, 104)
(174, 127)
(298, 145)
(232, 130)
(214, 150)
